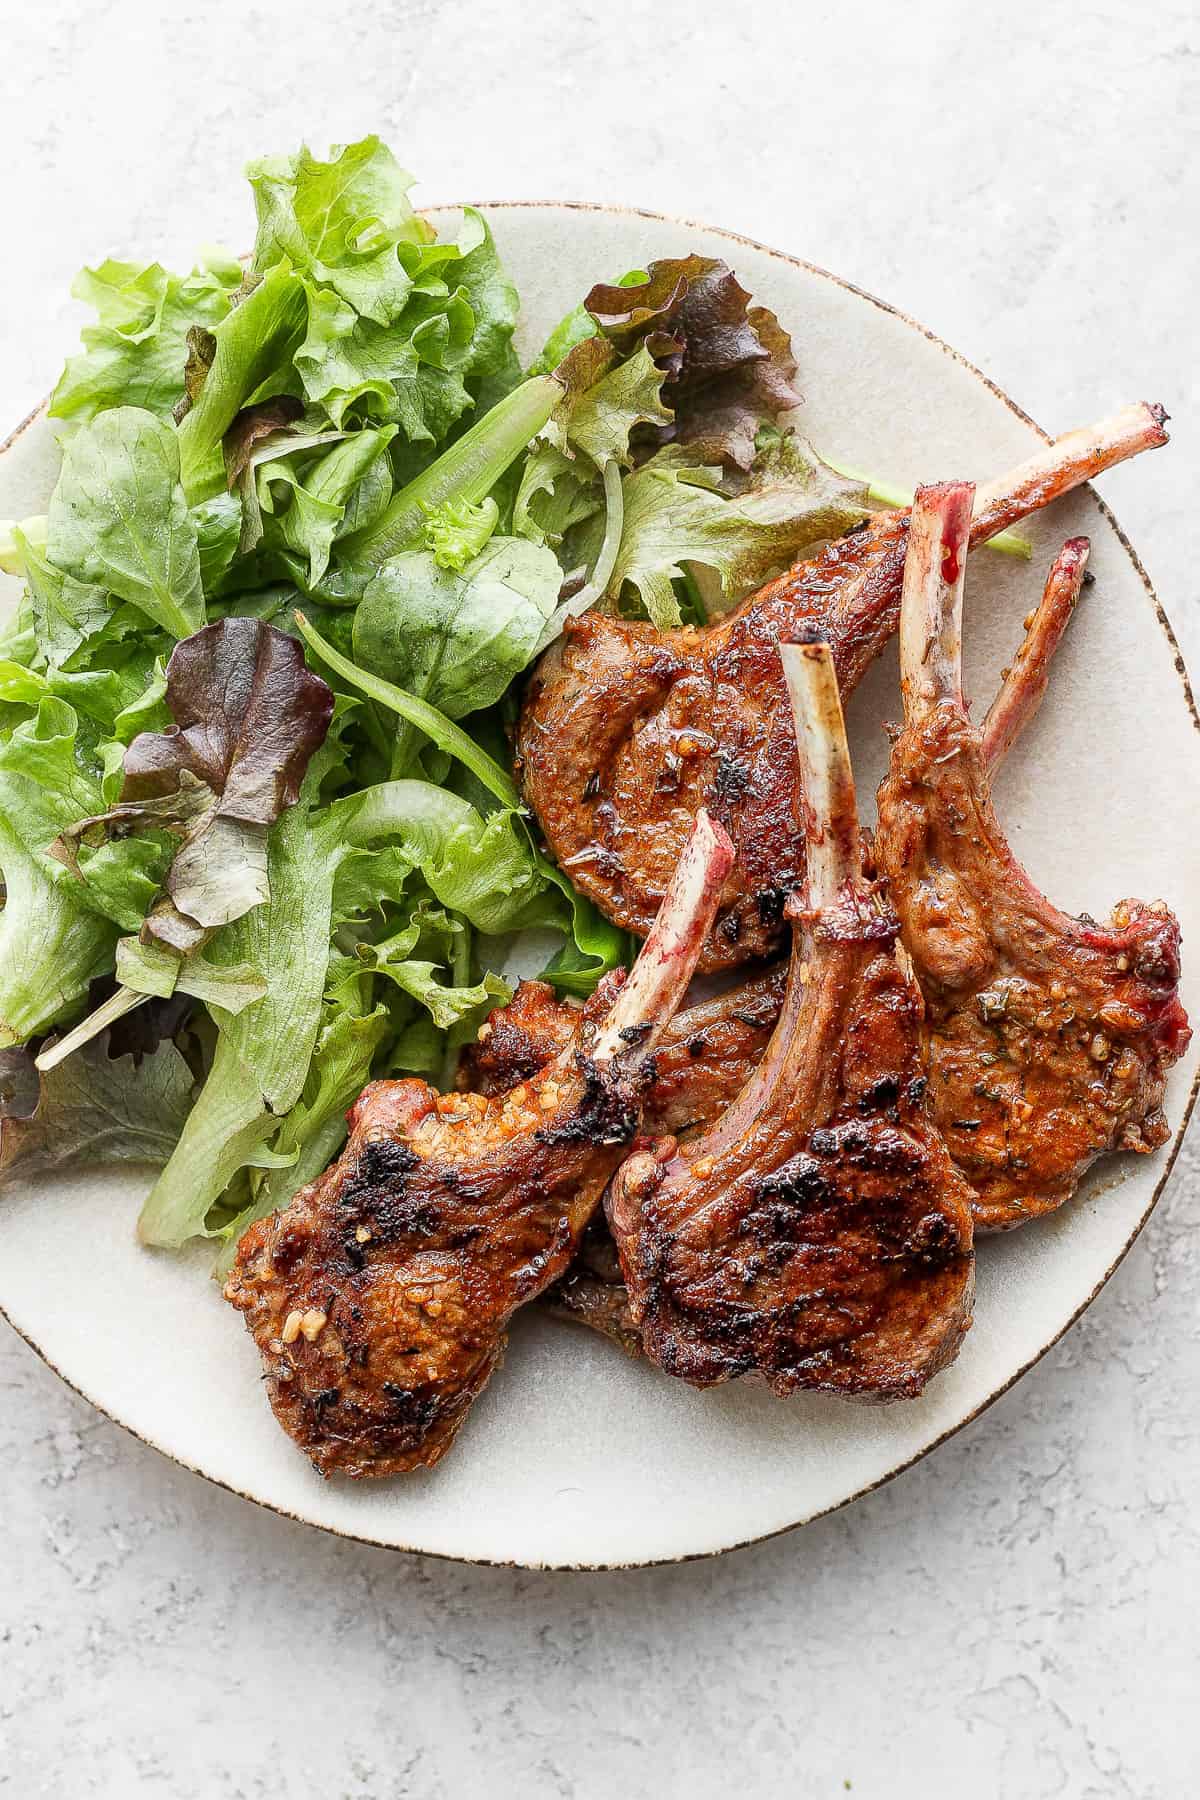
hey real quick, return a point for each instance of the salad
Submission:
(259, 831)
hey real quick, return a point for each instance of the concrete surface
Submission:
(1016, 1617)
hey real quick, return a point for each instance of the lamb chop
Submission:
(380, 1297)
(818, 1234)
(1050, 1037)
(709, 1050)
(627, 730)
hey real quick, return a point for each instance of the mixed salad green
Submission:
(259, 835)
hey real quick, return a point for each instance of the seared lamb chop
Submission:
(627, 730)
(708, 1051)
(818, 1234)
(1050, 1037)
(380, 1297)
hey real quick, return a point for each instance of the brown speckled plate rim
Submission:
(735, 237)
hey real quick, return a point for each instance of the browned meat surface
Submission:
(701, 1060)
(592, 1292)
(1050, 1037)
(381, 1295)
(818, 1234)
(626, 730)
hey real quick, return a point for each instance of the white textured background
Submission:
(1016, 1617)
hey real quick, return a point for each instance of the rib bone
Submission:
(1024, 684)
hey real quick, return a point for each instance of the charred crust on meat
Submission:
(411, 1408)
(381, 1164)
(770, 903)
(731, 780)
(354, 1253)
(608, 1111)
(881, 1095)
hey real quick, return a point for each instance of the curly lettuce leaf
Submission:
(456, 531)
(417, 959)
(341, 221)
(482, 868)
(677, 515)
(419, 367)
(605, 402)
(136, 352)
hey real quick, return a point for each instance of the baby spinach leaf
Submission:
(457, 639)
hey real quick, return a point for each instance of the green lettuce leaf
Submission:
(418, 367)
(118, 520)
(135, 354)
(676, 515)
(456, 531)
(249, 347)
(66, 612)
(52, 947)
(440, 730)
(315, 1129)
(417, 958)
(47, 782)
(482, 868)
(317, 498)
(265, 1049)
(341, 221)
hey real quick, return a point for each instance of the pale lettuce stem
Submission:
(112, 1009)
(597, 584)
(896, 499)
(468, 470)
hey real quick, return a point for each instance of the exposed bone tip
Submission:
(713, 843)
(826, 778)
(948, 501)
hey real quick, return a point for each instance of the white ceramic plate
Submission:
(576, 1456)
